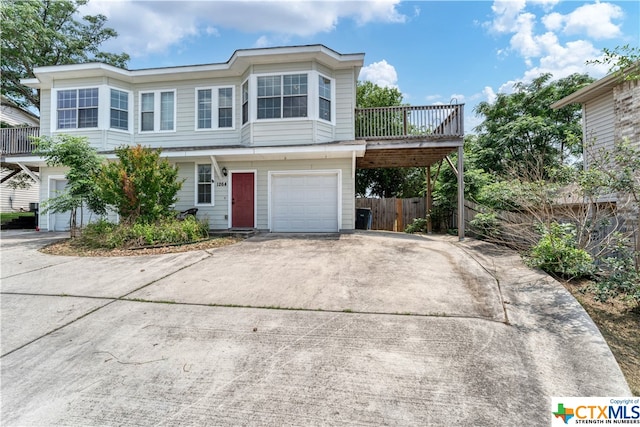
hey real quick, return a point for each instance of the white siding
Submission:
(45, 112)
(324, 132)
(282, 68)
(14, 200)
(345, 105)
(287, 132)
(16, 117)
(599, 122)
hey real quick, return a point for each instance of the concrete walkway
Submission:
(369, 328)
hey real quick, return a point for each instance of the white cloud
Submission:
(553, 21)
(523, 40)
(489, 94)
(153, 26)
(594, 20)
(543, 51)
(506, 13)
(381, 73)
(547, 5)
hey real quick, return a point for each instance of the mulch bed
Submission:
(68, 248)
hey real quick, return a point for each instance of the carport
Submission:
(414, 136)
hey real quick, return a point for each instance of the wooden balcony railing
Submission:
(17, 140)
(432, 122)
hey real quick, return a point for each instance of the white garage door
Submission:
(304, 202)
(60, 220)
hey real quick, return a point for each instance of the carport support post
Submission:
(429, 202)
(461, 193)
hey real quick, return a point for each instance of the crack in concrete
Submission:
(112, 300)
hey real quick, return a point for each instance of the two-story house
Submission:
(266, 140)
(611, 114)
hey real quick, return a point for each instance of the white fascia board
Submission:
(336, 151)
(235, 66)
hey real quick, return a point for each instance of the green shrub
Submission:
(418, 225)
(618, 277)
(557, 253)
(485, 225)
(103, 234)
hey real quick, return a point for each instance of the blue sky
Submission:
(432, 51)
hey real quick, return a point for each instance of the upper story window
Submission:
(214, 108)
(119, 110)
(282, 96)
(77, 108)
(324, 98)
(157, 111)
(245, 102)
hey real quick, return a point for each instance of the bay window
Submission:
(282, 96)
(77, 108)
(324, 98)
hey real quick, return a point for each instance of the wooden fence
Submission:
(393, 214)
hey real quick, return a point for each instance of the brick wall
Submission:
(626, 98)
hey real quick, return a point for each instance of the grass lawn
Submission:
(8, 216)
(619, 324)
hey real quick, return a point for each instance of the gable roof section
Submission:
(17, 111)
(235, 66)
(594, 90)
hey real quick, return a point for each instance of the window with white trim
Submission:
(245, 102)
(204, 184)
(214, 108)
(282, 96)
(119, 113)
(77, 108)
(324, 98)
(157, 111)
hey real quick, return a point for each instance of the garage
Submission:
(304, 201)
(59, 221)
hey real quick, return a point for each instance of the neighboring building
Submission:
(610, 113)
(16, 116)
(16, 199)
(266, 140)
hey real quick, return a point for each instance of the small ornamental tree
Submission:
(140, 185)
(83, 162)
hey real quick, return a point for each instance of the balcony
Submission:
(409, 136)
(419, 123)
(17, 140)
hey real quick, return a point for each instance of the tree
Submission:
(522, 129)
(83, 162)
(385, 182)
(623, 61)
(139, 185)
(45, 32)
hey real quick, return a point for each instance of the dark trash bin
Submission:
(363, 219)
(35, 208)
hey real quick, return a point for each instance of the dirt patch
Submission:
(619, 324)
(68, 248)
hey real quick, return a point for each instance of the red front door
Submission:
(242, 200)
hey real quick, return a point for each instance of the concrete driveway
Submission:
(368, 329)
